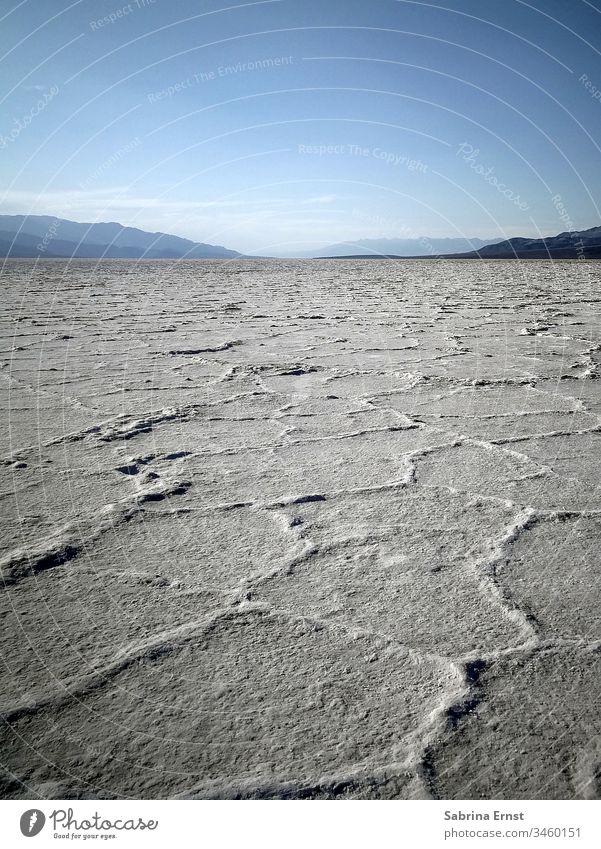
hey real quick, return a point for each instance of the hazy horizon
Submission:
(422, 245)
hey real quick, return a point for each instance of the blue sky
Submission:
(289, 124)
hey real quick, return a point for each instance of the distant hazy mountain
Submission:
(569, 245)
(423, 246)
(46, 235)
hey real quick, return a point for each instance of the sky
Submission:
(280, 126)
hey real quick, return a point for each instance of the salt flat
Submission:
(301, 529)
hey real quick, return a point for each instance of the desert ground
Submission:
(301, 529)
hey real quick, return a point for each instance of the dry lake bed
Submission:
(301, 529)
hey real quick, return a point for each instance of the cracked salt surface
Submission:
(300, 530)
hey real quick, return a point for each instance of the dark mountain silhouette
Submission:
(49, 236)
(569, 245)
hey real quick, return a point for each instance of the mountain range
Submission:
(420, 246)
(52, 237)
(568, 245)
(49, 236)
(573, 244)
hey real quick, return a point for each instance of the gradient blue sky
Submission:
(390, 88)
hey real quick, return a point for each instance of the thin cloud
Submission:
(320, 199)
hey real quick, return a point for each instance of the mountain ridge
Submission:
(54, 237)
(570, 244)
(419, 246)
